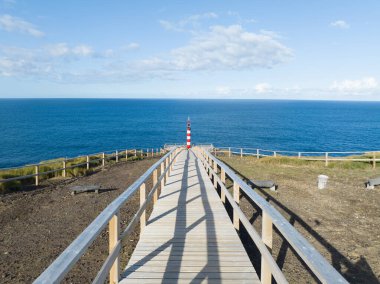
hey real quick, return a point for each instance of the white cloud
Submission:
(13, 24)
(63, 49)
(263, 88)
(340, 24)
(223, 90)
(230, 48)
(192, 22)
(131, 46)
(82, 50)
(219, 48)
(355, 86)
(59, 49)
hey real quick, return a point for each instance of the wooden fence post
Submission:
(216, 174)
(103, 159)
(166, 168)
(126, 154)
(374, 161)
(114, 232)
(241, 152)
(142, 200)
(237, 200)
(117, 156)
(326, 159)
(37, 171)
(88, 162)
(258, 153)
(155, 195)
(229, 152)
(223, 178)
(163, 178)
(64, 168)
(267, 236)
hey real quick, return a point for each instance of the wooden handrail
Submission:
(63, 264)
(321, 268)
(273, 267)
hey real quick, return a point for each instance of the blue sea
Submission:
(39, 129)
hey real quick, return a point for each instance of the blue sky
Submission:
(190, 49)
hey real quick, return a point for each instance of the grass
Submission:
(56, 164)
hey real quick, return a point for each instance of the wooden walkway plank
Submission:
(189, 236)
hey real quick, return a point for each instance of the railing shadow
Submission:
(177, 242)
(359, 272)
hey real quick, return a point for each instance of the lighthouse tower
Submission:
(188, 134)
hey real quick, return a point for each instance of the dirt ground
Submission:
(342, 221)
(36, 226)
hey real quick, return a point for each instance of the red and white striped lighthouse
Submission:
(188, 134)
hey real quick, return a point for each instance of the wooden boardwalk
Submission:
(189, 237)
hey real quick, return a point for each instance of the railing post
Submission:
(299, 155)
(374, 161)
(223, 178)
(163, 178)
(135, 153)
(126, 154)
(241, 152)
(274, 154)
(155, 195)
(229, 152)
(147, 152)
(142, 200)
(37, 170)
(258, 153)
(209, 171)
(117, 156)
(64, 168)
(114, 233)
(166, 168)
(267, 237)
(103, 159)
(237, 200)
(326, 159)
(152, 152)
(88, 162)
(216, 174)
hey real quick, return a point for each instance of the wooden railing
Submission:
(321, 269)
(103, 157)
(309, 156)
(111, 217)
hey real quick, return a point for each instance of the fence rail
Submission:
(110, 216)
(102, 157)
(327, 157)
(270, 218)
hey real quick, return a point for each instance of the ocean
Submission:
(33, 130)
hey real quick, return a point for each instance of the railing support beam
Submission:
(267, 236)
(114, 233)
(223, 178)
(155, 195)
(142, 200)
(237, 200)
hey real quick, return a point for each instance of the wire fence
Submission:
(33, 173)
(350, 156)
